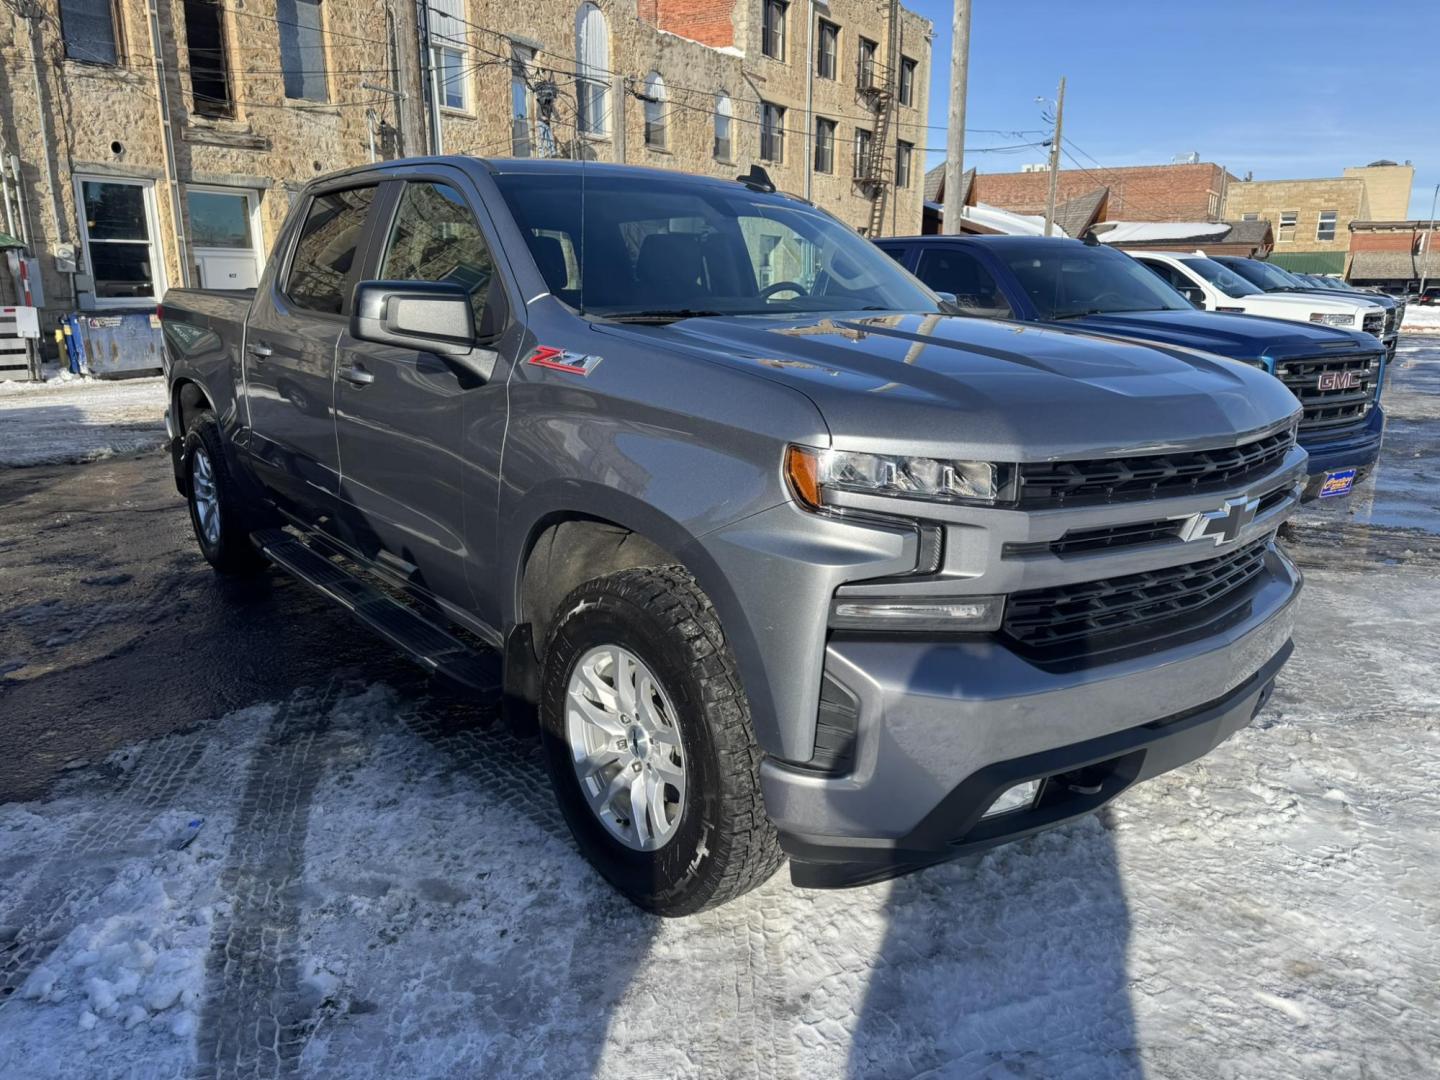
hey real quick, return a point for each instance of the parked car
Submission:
(1276, 279)
(1429, 296)
(1336, 374)
(1214, 287)
(782, 558)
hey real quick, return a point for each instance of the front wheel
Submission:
(649, 744)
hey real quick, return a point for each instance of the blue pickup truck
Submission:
(1336, 374)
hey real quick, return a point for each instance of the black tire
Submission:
(227, 549)
(724, 844)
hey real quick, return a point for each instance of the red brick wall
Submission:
(1138, 193)
(705, 21)
(1365, 240)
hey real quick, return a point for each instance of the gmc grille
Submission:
(1158, 476)
(1336, 391)
(1093, 616)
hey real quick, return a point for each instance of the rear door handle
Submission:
(356, 375)
(258, 350)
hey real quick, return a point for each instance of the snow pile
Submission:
(1425, 320)
(1143, 232)
(1004, 221)
(73, 419)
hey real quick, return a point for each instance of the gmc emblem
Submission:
(1339, 380)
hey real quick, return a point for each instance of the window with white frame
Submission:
(724, 126)
(772, 132)
(592, 63)
(827, 50)
(118, 229)
(824, 145)
(863, 141)
(907, 80)
(656, 109)
(865, 64)
(1288, 220)
(447, 53)
(1325, 226)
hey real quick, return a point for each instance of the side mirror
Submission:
(434, 316)
(949, 302)
(1195, 295)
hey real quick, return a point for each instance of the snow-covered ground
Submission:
(73, 420)
(355, 882)
(1422, 319)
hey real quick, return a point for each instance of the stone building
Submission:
(1311, 218)
(155, 145)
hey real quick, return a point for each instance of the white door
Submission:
(224, 237)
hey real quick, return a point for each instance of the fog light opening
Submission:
(1019, 797)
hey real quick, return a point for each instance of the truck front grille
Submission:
(1066, 620)
(1158, 476)
(1336, 391)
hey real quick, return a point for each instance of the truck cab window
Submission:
(962, 275)
(436, 238)
(325, 252)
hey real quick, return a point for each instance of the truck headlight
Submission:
(1332, 320)
(812, 473)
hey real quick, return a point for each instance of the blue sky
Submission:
(1280, 88)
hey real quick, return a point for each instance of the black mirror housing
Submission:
(434, 316)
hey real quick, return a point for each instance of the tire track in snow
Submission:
(256, 1019)
(69, 883)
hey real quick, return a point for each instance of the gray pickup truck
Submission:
(782, 558)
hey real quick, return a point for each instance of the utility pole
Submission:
(432, 79)
(1055, 159)
(955, 131)
(1429, 241)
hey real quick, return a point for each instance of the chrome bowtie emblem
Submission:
(1221, 525)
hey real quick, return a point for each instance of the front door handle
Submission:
(356, 375)
(258, 350)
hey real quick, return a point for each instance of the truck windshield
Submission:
(677, 248)
(1065, 279)
(1223, 278)
(1265, 276)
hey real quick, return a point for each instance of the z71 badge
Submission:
(572, 363)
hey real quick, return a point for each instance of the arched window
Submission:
(656, 110)
(724, 122)
(592, 63)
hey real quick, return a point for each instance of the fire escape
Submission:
(876, 90)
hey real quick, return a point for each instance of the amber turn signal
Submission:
(802, 469)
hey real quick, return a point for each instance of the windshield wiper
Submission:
(662, 315)
(1080, 314)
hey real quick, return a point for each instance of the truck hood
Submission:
(1328, 303)
(1331, 294)
(950, 386)
(1238, 337)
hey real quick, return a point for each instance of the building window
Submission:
(827, 50)
(772, 132)
(223, 237)
(824, 145)
(209, 65)
(89, 29)
(655, 110)
(1325, 227)
(592, 55)
(865, 69)
(907, 81)
(520, 59)
(119, 235)
(447, 53)
(1249, 217)
(302, 49)
(724, 122)
(1288, 218)
(772, 29)
(863, 141)
(903, 153)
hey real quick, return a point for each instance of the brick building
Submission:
(1189, 192)
(1311, 218)
(159, 144)
(1394, 255)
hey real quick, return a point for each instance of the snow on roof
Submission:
(1003, 221)
(1134, 232)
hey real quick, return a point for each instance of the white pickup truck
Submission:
(1214, 287)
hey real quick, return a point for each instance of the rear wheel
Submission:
(219, 513)
(649, 745)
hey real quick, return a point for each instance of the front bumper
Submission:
(946, 726)
(1358, 450)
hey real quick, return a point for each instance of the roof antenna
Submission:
(757, 179)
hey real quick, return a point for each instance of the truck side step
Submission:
(433, 647)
